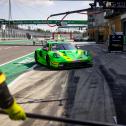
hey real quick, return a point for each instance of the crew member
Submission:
(8, 103)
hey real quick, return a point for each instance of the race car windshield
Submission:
(65, 46)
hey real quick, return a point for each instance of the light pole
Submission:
(9, 18)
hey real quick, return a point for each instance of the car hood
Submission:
(72, 55)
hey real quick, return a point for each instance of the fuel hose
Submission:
(65, 120)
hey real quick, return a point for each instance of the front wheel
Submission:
(91, 65)
(48, 61)
(36, 58)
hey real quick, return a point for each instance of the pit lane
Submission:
(8, 53)
(87, 93)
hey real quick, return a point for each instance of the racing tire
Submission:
(48, 62)
(35, 56)
(91, 65)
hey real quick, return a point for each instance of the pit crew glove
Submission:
(16, 112)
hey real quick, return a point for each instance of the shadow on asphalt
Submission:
(44, 68)
(118, 90)
(70, 92)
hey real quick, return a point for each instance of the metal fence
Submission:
(17, 36)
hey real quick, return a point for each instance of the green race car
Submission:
(62, 55)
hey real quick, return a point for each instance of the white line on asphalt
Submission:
(15, 59)
(17, 79)
(84, 43)
(21, 76)
(123, 57)
(33, 67)
(115, 119)
(104, 50)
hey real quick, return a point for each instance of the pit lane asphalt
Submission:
(15, 60)
(8, 53)
(89, 94)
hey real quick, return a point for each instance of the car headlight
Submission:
(56, 55)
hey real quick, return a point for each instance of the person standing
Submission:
(8, 102)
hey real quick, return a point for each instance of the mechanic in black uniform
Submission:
(8, 103)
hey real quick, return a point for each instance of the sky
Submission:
(41, 9)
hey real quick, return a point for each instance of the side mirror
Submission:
(77, 47)
(46, 49)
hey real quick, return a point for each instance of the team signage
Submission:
(115, 43)
(119, 4)
(116, 5)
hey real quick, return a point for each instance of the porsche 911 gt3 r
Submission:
(62, 55)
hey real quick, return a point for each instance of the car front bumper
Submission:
(73, 64)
